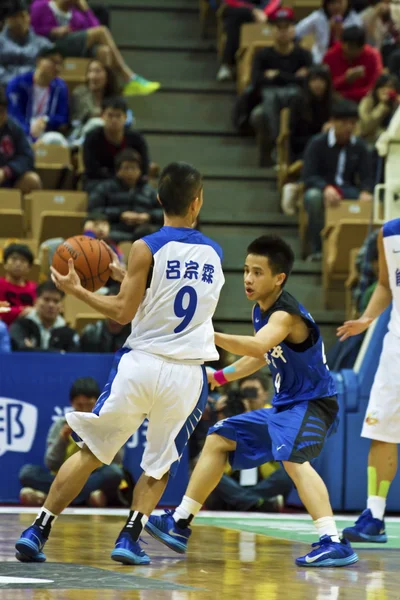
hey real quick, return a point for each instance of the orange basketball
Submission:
(91, 260)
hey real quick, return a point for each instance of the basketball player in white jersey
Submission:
(382, 419)
(170, 293)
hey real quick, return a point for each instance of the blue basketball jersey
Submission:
(299, 371)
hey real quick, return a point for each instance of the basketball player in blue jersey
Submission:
(170, 293)
(294, 430)
(382, 419)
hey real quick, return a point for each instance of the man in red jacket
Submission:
(354, 65)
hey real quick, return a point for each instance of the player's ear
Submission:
(281, 278)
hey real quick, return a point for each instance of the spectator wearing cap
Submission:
(130, 204)
(38, 100)
(326, 25)
(236, 14)
(337, 165)
(16, 155)
(102, 145)
(19, 44)
(15, 287)
(355, 66)
(277, 76)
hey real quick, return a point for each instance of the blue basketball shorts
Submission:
(294, 433)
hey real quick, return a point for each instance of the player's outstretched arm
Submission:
(121, 308)
(243, 367)
(380, 299)
(272, 334)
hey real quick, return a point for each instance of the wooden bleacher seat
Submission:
(254, 37)
(74, 307)
(11, 214)
(53, 164)
(51, 201)
(83, 319)
(60, 224)
(74, 72)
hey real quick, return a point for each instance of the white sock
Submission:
(377, 506)
(186, 508)
(327, 526)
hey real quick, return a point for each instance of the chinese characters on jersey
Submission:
(190, 270)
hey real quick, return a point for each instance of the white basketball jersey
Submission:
(174, 319)
(391, 242)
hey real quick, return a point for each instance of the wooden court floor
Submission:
(221, 564)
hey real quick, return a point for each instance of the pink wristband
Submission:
(219, 377)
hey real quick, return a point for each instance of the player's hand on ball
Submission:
(350, 328)
(69, 283)
(118, 272)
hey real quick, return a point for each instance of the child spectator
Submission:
(77, 32)
(97, 225)
(102, 145)
(16, 155)
(376, 109)
(102, 484)
(38, 100)
(326, 25)
(130, 204)
(19, 44)
(355, 66)
(44, 329)
(15, 287)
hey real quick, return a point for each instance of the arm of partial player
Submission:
(272, 334)
(379, 301)
(122, 307)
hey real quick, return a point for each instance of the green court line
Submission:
(297, 530)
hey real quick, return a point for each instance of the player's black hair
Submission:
(46, 52)
(127, 155)
(344, 109)
(48, 286)
(84, 386)
(116, 103)
(279, 254)
(259, 376)
(21, 249)
(179, 185)
(354, 36)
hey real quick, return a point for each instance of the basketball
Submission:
(91, 260)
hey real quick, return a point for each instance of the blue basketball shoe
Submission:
(328, 554)
(166, 531)
(128, 552)
(366, 529)
(30, 545)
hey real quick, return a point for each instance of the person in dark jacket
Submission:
(102, 145)
(38, 100)
(44, 329)
(278, 73)
(337, 165)
(16, 155)
(104, 336)
(130, 204)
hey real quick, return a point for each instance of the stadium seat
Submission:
(74, 307)
(11, 215)
(74, 72)
(52, 201)
(53, 164)
(83, 319)
(59, 224)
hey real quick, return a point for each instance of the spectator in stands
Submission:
(15, 287)
(102, 484)
(377, 108)
(278, 72)
(260, 489)
(44, 329)
(326, 25)
(337, 165)
(105, 335)
(16, 155)
(237, 13)
(19, 45)
(77, 32)
(87, 100)
(129, 203)
(5, 344)
(102, 145)
(38, 100)
(97, 225)
(381, 21)
(355, 66)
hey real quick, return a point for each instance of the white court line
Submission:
(122, 512)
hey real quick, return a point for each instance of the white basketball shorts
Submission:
(382, 419)
(171, 395)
